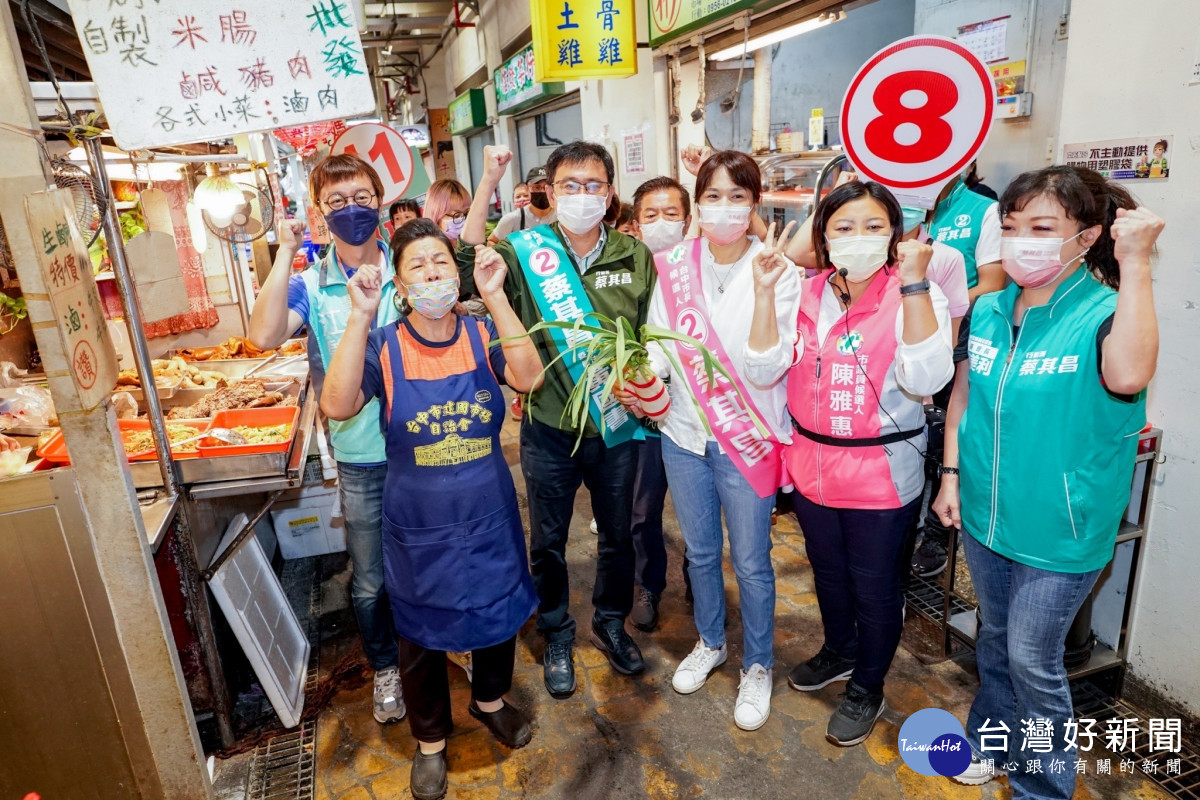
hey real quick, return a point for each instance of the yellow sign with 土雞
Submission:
(578, 39)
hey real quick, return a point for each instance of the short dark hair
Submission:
(1087, 197)
(412, 206)
(579, 152)
(625, 215)
(661, 184)
(742, 170)
(342, 167)
(414, 231)
(847, 193)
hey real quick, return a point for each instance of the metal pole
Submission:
(133, 319)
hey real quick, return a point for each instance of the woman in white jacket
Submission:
(722, 439)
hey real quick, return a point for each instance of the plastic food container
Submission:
(55, 450)
(11, 461)
(198, 425)
(252, 418)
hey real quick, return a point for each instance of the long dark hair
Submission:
(1087, 197)
(741, 168)
(846, 193)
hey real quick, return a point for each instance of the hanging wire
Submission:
(698, 111)
(36, 34)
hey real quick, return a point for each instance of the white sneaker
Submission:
(593, 528)
(463, 660)
(754, 698)
(693, 671)
(389, 703)
(979, 772)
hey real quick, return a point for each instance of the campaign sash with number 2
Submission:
(558, 290)
(728, 409)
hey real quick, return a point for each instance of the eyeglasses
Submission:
(575, 187)
(456, 217)
(336, 202)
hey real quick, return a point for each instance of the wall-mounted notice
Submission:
(176, 71)
(635, 153)
(1143, 157)
(987, 39)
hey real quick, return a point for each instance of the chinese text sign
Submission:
(578, 39)
(67, 272)
(175, 71)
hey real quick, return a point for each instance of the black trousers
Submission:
(426, 687)
(552, 477)
(649, 496)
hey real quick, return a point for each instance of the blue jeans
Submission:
(855, 556)
(1025, 613)
(361, 494)
(703, 486)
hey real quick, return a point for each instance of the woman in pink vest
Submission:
(873, 338)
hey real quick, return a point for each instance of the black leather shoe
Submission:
(644, 615)
(509, 725)
(622, 652)
(428, 779)
(558, 670)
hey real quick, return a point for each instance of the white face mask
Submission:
(724, 224)
(860, 256)
(581, 213)
(662, 234)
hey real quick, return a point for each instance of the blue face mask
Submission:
(353, 224)
(912, 217)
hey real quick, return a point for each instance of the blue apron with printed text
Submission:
(455, 563)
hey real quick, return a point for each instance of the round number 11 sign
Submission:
(917, 113)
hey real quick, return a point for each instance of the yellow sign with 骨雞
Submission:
(577, 39)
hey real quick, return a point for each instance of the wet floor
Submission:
(621, 737)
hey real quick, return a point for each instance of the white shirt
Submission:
(987, 247)
(512, 221)
(921, 369)
(730, 314)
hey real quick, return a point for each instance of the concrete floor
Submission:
(620, 737)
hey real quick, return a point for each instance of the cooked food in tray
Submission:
(250, 393)
(174, 372)
(237, 347)
(269, 434)
(142, 441)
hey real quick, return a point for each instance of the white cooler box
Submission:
(311, 524)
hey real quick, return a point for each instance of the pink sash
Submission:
(728, 410)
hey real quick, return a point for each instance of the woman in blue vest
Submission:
(1041, 436)
(454, 546)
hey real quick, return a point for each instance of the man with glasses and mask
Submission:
(562, 271)
(346, 190)
(538, 212)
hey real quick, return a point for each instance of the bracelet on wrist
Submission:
(948, 471)
(921, 287)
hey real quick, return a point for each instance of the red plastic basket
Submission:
(254, 418)
(55, 449)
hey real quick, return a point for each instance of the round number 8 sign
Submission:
(918, 112)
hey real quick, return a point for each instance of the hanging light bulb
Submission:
(219, 196)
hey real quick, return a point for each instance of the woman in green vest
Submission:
(1041, 435)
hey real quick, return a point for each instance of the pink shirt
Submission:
(948, 270)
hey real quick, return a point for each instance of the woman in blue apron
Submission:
(455, 561)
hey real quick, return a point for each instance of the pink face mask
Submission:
(1033, 261)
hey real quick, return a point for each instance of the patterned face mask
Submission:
(433, 300)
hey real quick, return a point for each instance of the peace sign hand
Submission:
(770, 263)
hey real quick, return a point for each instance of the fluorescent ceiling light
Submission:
(775, 37)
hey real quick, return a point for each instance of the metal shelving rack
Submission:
(938, 601)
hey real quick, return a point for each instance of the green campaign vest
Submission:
(957, 221)
(1046, 453)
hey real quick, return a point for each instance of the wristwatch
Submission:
(915, 288)
(947, 471)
